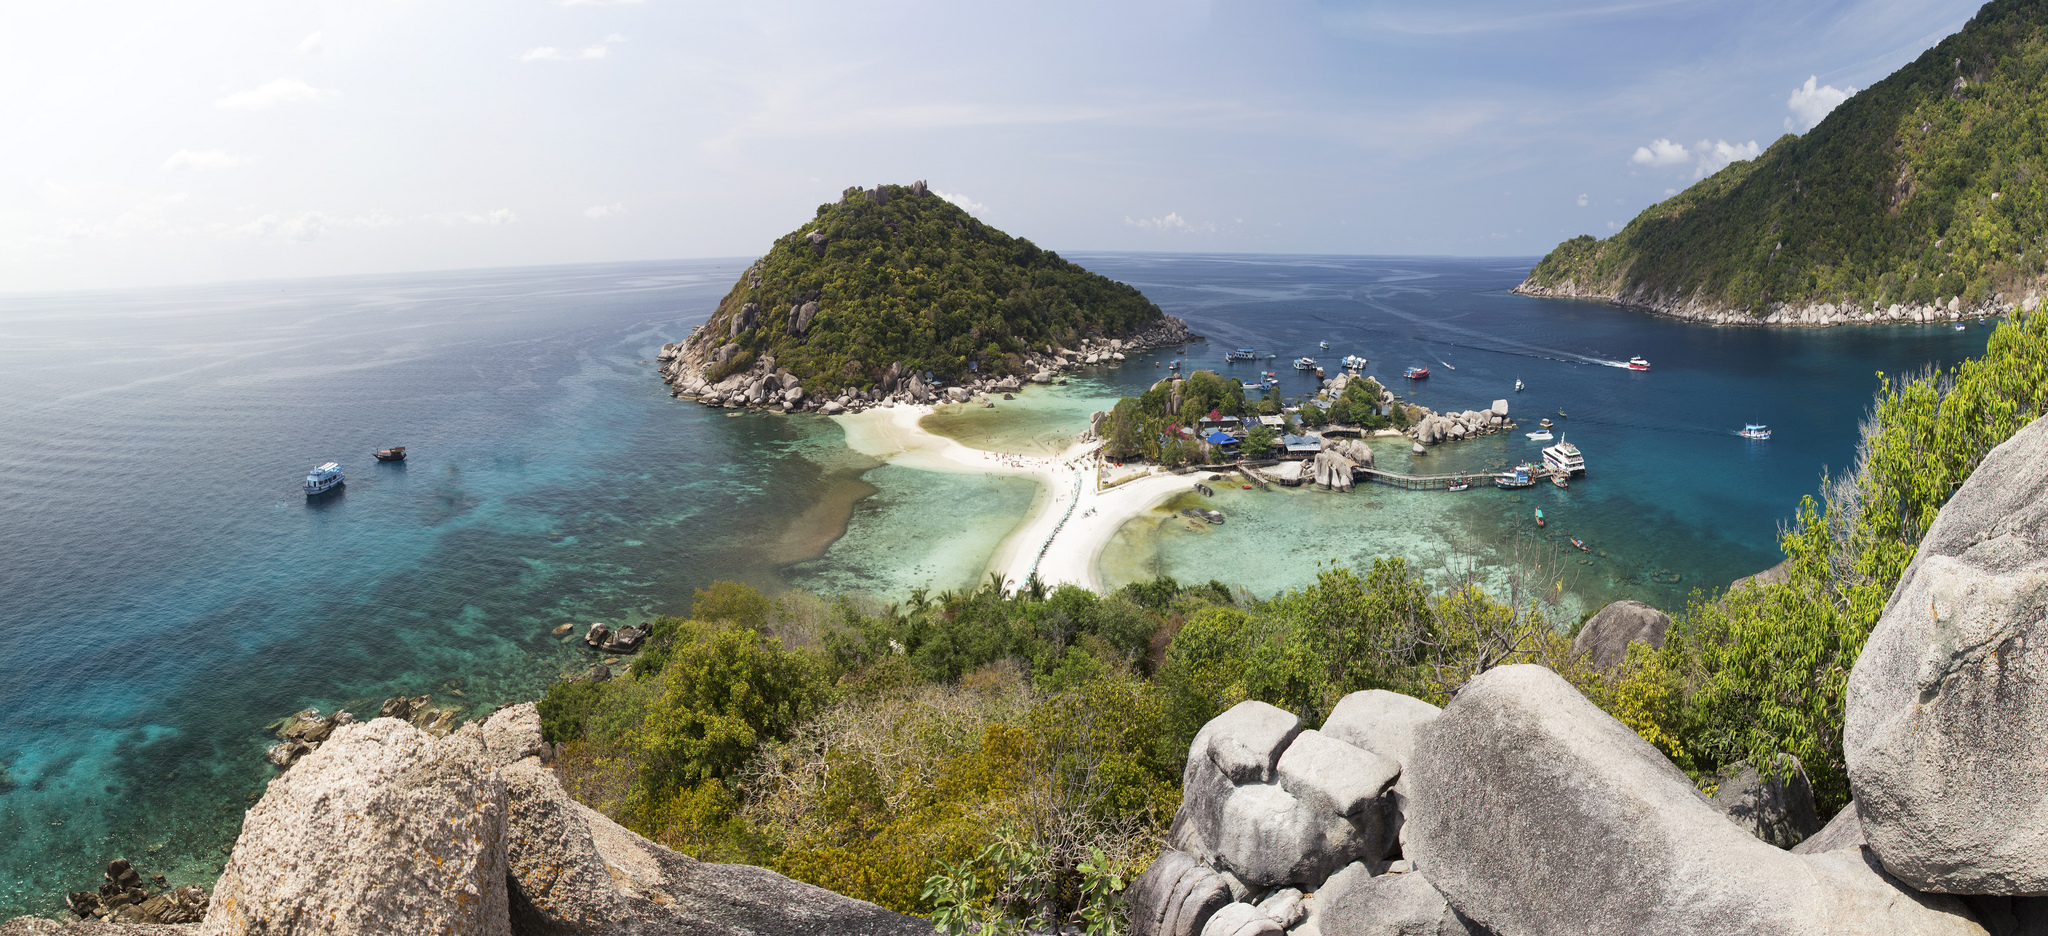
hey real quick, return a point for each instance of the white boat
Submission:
(1354, 362)
(1304, 363)
(1637, 363)
(324, 478)
(1755, 431)
(1326, 345)
(1564, 458)
(1540, 435)
(1520, 476)
(1518, 385)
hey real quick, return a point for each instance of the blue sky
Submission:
(153, 142)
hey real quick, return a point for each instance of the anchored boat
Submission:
(1354, 362)
(1241, 354)
(1416, 373)
(1520, 476)
(1564, 459)
(394, 453)
(326, 477)
(1304, 363)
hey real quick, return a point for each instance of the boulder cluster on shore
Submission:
(1522, 809)
(684, 365)
(1812, 315)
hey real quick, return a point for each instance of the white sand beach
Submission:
(1064, 534)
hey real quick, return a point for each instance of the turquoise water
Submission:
(167, 590)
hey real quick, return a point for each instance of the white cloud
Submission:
(1670, 192)
(552, 54)
(310, 45)
(1716, 156)
(1172, 222)
(1660, 152)
(604, 211)
(495, 216)
(1582, 201)
(204, 159)
(1809, 103)
(281, 91)
(966, 204)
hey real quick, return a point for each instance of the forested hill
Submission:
(896, 275)
(1928, 186)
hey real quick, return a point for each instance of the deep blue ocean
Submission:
(166, 590)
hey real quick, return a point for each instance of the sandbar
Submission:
(1063, 535)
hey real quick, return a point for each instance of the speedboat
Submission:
(1961, 327)
(1540, 435)
(1518, 385)
(1755, 431)
(394, 453)
(1544, 422)
(1415, 373)
(1304, 363)
(324, 478)
(1353, 361)
(1326, 345)
(1636, 363)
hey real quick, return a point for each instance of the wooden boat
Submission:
(1459, 486)
(1755, 431)
(394, 453)
(1519, 476)
(1579, 543)
(1539, 516)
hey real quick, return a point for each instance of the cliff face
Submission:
(1915, 200)
(894, 282)
(387, 829)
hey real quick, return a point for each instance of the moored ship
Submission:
(326, 477)
(1564, 459)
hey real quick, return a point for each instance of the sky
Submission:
(163, 142)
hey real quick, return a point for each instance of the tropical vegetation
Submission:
(900, 275)
(1927, 186)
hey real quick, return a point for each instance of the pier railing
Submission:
(1438, 482)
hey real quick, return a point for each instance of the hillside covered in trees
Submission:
(1925, 187)
(896, 275)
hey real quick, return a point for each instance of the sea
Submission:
(167, 592)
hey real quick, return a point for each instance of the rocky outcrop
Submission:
(1538, 813)
(1358, 903)
(1603, 642)
(1843, 831)
(1333, 471)
(1694, 308)
(388, 829)
(1776, 807)
(1946, 729)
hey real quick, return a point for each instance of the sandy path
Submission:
(1069, 523)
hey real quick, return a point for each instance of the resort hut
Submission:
(1216, 420)
(1301, 445)
(1222, 442)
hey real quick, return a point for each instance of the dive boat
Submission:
(1637, 363)
(1353, 361)
(1304, 363)
(1540, 435)
(1564, 459)
(394, 453)
(1517, 477)
(1755, 431)
(1415, 373)
(1241, 354)
(324, 478)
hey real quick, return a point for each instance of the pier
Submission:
(1439, 482)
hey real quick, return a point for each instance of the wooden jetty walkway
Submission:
(1442, 481)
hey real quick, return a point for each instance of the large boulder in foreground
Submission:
(1538, 814)
(1355, 902)
(1603, 642)
(383, 829)
(1946, 731)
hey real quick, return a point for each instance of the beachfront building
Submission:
(1216, 420)
(1301, 445)
(1222, 443)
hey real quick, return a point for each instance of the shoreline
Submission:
(1070, 521)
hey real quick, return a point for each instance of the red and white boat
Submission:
(1416, 373)
(1636, 363)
